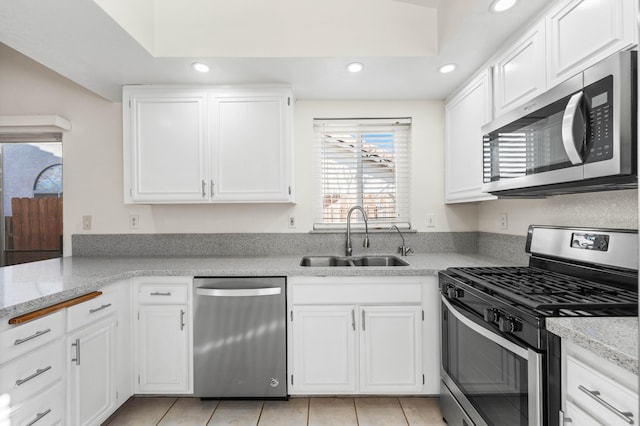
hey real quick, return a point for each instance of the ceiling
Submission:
(104, 44)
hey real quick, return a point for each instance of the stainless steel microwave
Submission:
(579, 136)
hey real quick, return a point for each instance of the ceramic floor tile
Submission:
(293, 412)
(143, 411)
(241, 413)
(422, 411)
(189, 412)
(332, 411)
(376, 411)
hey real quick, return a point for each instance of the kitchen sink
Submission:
(376, 260)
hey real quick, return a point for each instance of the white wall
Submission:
(614, 209)
(92, 158)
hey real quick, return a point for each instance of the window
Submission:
(362, 162)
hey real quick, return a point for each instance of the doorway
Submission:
(31, 204)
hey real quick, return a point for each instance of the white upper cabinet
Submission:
(583, 32)
(165, 146)
(519, 73)
(207, 144)
(465, 114)
(251, 140)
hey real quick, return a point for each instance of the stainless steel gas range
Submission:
(500, 366)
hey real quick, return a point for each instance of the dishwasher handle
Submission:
(238, 292)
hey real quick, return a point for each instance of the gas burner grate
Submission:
(548, 290)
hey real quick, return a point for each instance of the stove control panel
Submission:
(585, 241)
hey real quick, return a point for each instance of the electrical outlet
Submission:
(292, 221)
(134, 221)
(431, 221)
(86, 223)
(503, 221)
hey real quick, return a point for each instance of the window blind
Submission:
(362, 162)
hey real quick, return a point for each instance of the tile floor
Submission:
(317, 411)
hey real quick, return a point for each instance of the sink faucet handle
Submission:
(405, 250)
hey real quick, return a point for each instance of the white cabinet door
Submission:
(91, 354)
(583, 32)
(251, 147)
(465, 114)
(165, 146)
(519, 74)
(163, 349)
(207, 144)
(324, 353)
(390, 349)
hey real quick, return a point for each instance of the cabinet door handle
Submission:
(157, 293)
(363, 320)
(181, 319)
(353, 319)
(38, 417)
(204, 189)
(91, 311)
(212, 191)
(77, 358)
(38, 372)
(626, 416)
(33, 336)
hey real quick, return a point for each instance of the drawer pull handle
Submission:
(38, 372)
(33, 336)
(182, 319)
(626, 416)
(157, 293)
(38, 417)
(91, 311)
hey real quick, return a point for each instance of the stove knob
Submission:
(455, 293)
(508, 325)
(491, 315)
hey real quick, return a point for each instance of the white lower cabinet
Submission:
(390, 349)
(91, 373)
(163, 336)
(596, 391)
(324, 348)
(351, 335)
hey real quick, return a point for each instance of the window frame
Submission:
(401, 131)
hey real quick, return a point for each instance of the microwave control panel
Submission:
(599, 117)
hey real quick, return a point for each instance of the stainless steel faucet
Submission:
(403, 249)
(365, 243)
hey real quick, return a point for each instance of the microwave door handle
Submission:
(573, 129)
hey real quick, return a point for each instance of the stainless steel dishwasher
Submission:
(240, 337)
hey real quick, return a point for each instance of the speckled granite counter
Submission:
(615, 339)
(31, 286)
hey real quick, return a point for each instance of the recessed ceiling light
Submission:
(355, 67)
(447, 68)
(200, 67)
(501, 5)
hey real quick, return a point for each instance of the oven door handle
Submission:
(495, 338)
(534, 398)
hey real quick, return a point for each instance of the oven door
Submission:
(493, 380)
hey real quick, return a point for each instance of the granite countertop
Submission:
(31, 286)
(614, 338)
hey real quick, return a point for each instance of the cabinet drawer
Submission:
(575, 416)
(31, 373)
(26, 337)
(162, 294)
(591, 391)
(84, 313)
(45, 409)
(314, 294)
